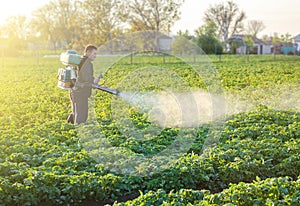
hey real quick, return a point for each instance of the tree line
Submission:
(75, 23)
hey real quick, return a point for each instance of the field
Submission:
(249, 156)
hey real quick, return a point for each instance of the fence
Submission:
(157, 58)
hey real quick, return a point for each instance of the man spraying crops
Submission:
(83, 86)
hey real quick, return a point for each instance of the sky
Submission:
(281, 16)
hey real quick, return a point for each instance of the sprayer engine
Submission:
(67, 76)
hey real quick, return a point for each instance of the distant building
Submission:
(289, 48)
(147, 41)
(164, 43)
(297, 42)
(259, 46)
(284, 48)
(237, 44)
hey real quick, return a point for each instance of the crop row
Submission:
(48, 164)
(45, 160)
(271, 191)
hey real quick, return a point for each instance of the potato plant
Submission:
(252, 158)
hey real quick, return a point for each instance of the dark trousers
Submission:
(79, 102)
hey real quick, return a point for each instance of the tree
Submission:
(16, 27)
(183, 46)
(156, 15)
(16, 33)
(286, 38)
(186, 34)
(184, 43)
(43, 21)
(207, 39)
(248, 40)
(254, 27)
(66, 12)
(234, 44)
(265, 37)
(276, 44)
(75, 23)
(101, 20)
(227, 17)
(56, 21)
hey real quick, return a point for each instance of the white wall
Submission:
(298, 46)
(165, 44)
(241, 50)
(267, 49)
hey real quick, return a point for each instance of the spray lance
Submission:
(105, 89)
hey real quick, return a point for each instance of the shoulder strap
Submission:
(84, 58)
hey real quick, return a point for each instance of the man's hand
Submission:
(96, 80)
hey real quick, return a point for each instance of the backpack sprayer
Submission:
(67, 76)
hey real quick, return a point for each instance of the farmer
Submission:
(83, 86)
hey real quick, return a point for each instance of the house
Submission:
(259, 46)
(289, 48)
(237, 44)
(146, 41)
(297, 42)
(164, 43)
(284, 48)
(155, 41)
